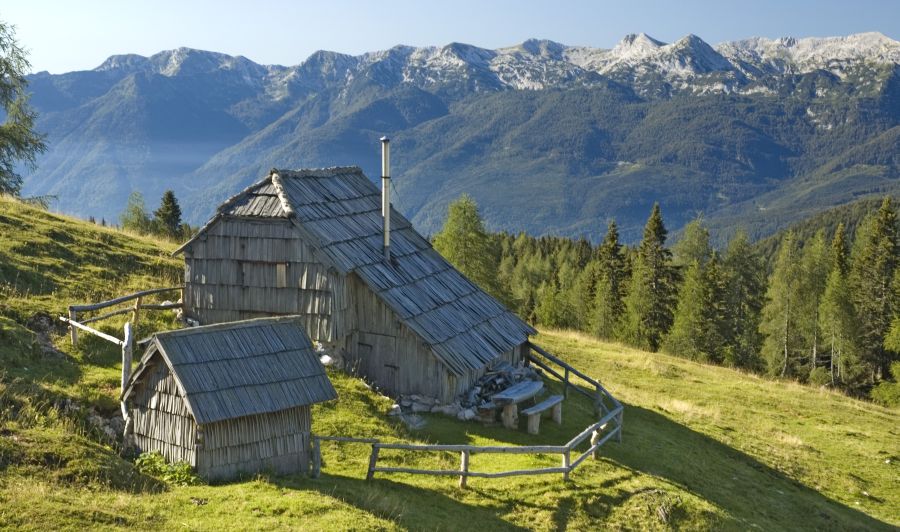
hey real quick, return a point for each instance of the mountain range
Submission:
(548, 138)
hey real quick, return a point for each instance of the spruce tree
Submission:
(167, 217)
(745, 287)
(874, 260)
(783, 345)
(464, 242)
(696, 329)
(607, 305)
(650, 299)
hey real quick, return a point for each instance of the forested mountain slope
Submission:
(548, 138)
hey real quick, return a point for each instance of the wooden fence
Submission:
(609, 409)
(127, 341)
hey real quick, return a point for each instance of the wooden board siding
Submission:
(277, 442)
(392, 356)
(162, 422)
(244, 268)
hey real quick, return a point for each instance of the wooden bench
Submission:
(553, 402)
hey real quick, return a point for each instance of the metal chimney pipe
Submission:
(386, 194)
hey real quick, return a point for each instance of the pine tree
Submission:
(648, 305)
(874, 260)
(745, 287)
(839, 330)
(814, 269)
(167, 218)
(464, 242)
(783, 345)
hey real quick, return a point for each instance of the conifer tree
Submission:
(19, 142)
(167, 217)
(464, 242)
(874, 261)
(745, 287)
(607, 305)
(783, 345)
(648, 305)
(814, 269)
(695, 332)
(134, 217)
(693, 246)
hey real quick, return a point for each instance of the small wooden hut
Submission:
(317, 243)
(228, 399)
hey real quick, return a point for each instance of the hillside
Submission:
(704, 447)
(755, 133)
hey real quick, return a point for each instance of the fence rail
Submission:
(608, 426)
(75, 324)
(127, 341)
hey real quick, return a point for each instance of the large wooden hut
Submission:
(314, 243)
(228, 399)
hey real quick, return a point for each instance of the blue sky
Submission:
(80, 34)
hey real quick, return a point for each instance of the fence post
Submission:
(127, 348)
(566, 384)
(463, 468)
(372, 460)
(619, 423)
(72, 329)
(136, 312)
(316, 457)
(565, 464)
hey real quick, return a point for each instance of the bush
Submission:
(820, 377)
(888, 393)
(178, 474)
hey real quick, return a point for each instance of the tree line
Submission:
(165, 221)
(826, 312)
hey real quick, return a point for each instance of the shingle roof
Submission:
(241, 368)
(340, 210)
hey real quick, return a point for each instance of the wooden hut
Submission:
(312, 242)
(228, 399)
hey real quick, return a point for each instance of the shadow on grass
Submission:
(746, 489)
(411, 507)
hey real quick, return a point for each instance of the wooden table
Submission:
(510, 398)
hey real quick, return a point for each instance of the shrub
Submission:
(178, 474)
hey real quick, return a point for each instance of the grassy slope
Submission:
(713, 447)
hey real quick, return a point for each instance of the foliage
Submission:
(651, 292)
(177, 474)
(135, 217)
(464, 242)
(19, 142)
(782, 348)
(167, 218)
(745, 286)
(875, 258)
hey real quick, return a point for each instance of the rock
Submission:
(421, 407)
(405, 402)
(413, 421)
(395, 410)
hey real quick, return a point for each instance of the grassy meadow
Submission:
(703, 447)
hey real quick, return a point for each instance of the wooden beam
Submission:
(107, 315)
(103, 335)
(73, 317)
(129, 297)
(529, 449)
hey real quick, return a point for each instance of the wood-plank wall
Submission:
(276, 442)
(392, 356)
(162, 422)
(243, 268)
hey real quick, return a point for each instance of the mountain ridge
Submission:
(594, 133)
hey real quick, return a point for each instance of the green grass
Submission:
(705, 447)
